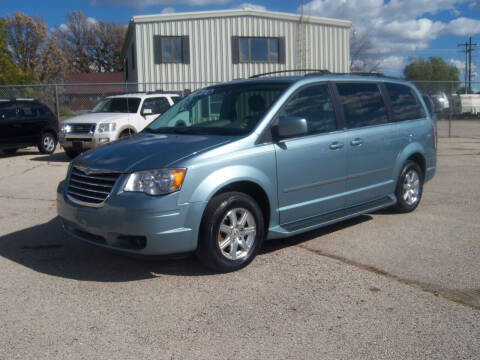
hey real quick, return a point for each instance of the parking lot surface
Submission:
(381, 286)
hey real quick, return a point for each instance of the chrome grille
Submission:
(91, 188)
(82, 128)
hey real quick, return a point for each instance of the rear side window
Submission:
(28, 110)
(314, 105)
(157, 105)
(8, 111)
(405, 104)
(362, 104)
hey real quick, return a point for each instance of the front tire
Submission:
(409, 187)
(48, 143)
(126, 134)
(231, 233)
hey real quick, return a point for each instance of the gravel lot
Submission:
(382, 286)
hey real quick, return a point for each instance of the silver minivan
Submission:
(234, 164)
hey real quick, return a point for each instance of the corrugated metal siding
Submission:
(211, 55)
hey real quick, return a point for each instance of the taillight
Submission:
(434, 136)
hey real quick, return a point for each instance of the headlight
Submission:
(156, 182)
(107, 127)
(66, 128)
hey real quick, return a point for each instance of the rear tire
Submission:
(409, 187)
(10, 151)
(231, 233)
(47, 144)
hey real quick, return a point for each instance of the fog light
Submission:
(104, 140)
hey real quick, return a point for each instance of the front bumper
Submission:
(84, 141)
(134, 222)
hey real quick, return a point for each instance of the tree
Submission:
(36, 55)
(52, 62)
(91, 46)
(26, 34)
(9, 73)
(432, 75)
(76, 41)
(362, 57)
(109, 40)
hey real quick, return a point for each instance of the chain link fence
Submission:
(457, 113)
(68, 100)
(456, 107)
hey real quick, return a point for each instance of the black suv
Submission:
(27, 122)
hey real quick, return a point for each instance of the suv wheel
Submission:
(47, 144)
(409, 187)
(126, 133)
(231, 233)
(10, 151)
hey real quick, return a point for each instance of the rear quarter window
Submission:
(405, 104)
(362, 104)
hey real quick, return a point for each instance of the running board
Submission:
(339, 215)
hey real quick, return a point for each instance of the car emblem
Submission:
(89, 171)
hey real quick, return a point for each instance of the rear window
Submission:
(362, 104)
(405, 104)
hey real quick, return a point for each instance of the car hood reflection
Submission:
(148, 151)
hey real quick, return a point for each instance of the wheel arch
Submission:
(252, 189)
(414, 152)
(420, 160)
(50, 130)
(124, 128)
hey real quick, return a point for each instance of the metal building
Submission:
(190, 50)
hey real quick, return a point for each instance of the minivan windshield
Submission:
(117, 105)
(231, 109)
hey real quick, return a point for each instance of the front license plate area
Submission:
(78, 146)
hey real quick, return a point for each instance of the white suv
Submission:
(114, 117)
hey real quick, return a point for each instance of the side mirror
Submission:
(290, 126)
(147, 112)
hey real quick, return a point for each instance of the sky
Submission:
(397, 29)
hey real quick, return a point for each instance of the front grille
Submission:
(82, 128)
(90, 189)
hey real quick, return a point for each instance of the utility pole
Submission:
(468, 63)
(302, 58)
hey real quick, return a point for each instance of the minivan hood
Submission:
(148, 151)
(96, 118)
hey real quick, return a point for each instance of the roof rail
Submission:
(366, 73)
(23, 99)
(308, 72)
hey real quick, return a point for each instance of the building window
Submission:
(172, 49)
(258, 49)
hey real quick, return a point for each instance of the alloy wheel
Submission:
(236, 234)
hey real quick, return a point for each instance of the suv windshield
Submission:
(233, 109)
(117, 105)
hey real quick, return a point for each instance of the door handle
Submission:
(356, 142)
(336, 145)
